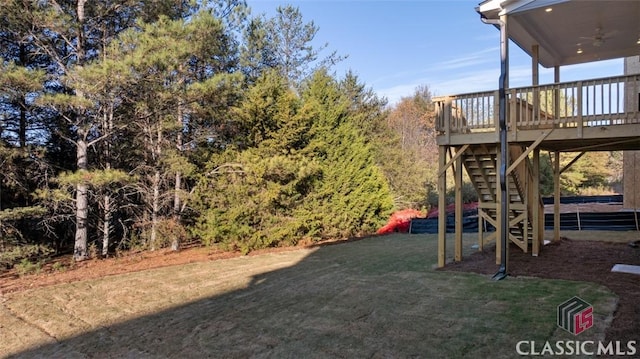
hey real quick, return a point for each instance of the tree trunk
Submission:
(155, 201)
(175, 241)
(155, 210)
(106, 225)
(22, 132)
(107, 215)
(82, 208)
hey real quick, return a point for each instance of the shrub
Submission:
(26, 267)
(18, 254)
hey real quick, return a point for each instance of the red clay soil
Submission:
(70, 271)
(574, 259)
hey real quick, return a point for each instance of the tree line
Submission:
(147, 124)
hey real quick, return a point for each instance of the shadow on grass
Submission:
(376, 297)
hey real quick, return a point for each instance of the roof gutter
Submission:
(504, 148)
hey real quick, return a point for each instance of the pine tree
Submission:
(284, 43)
(353, 196)
(181, 77)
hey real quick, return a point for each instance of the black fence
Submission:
(430, 225)
(616, 198)
(603, 221)
(606, 221)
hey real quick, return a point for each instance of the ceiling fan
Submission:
(599, 37)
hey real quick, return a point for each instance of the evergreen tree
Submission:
(284, 43)
(353, 197)
(307, 171)
(63, 37)
(177, 66)
(248, 196)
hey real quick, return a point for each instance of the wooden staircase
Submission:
(481, 163)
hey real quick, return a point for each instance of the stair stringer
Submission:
(480, 162)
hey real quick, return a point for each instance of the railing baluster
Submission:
(598, 102)
(579, 108)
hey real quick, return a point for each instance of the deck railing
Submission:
(598, 102)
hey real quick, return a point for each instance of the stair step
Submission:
(481, 166)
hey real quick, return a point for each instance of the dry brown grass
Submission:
(378, 297)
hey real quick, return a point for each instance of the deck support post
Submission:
(442, 206)
(458, 209)
(535, 81)
(556, 93)
(535, 66)
(535, 205)
(556, 196)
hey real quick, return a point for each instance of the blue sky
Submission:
(396, 46)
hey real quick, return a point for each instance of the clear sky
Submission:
(396, 46)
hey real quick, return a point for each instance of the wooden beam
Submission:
(535, 203)
(556, 197)
(487, 217)
(564, 139)
(592, 147)
(570, 163)
(442, 206)
(512, 116)
(535, 81)
(447, 120)
(480, 229)
(519, 218)
(459, 208)
(524, 154)
(535, 60)
(580, 133)
(556, 93)
(452, 160)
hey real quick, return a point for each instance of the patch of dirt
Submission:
(579, 260)
(65, 270)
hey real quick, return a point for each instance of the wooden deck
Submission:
(589, 115)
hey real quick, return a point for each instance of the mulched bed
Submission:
(580, 260)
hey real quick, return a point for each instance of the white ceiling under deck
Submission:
(570, 32)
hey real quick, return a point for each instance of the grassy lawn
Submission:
(378, 297)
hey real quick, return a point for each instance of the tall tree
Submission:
(183, 77)
(284, 42)
(22, 79)
(413, 145)
(71, 34)
(307, 171)
(247, 198)
(353, 197)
